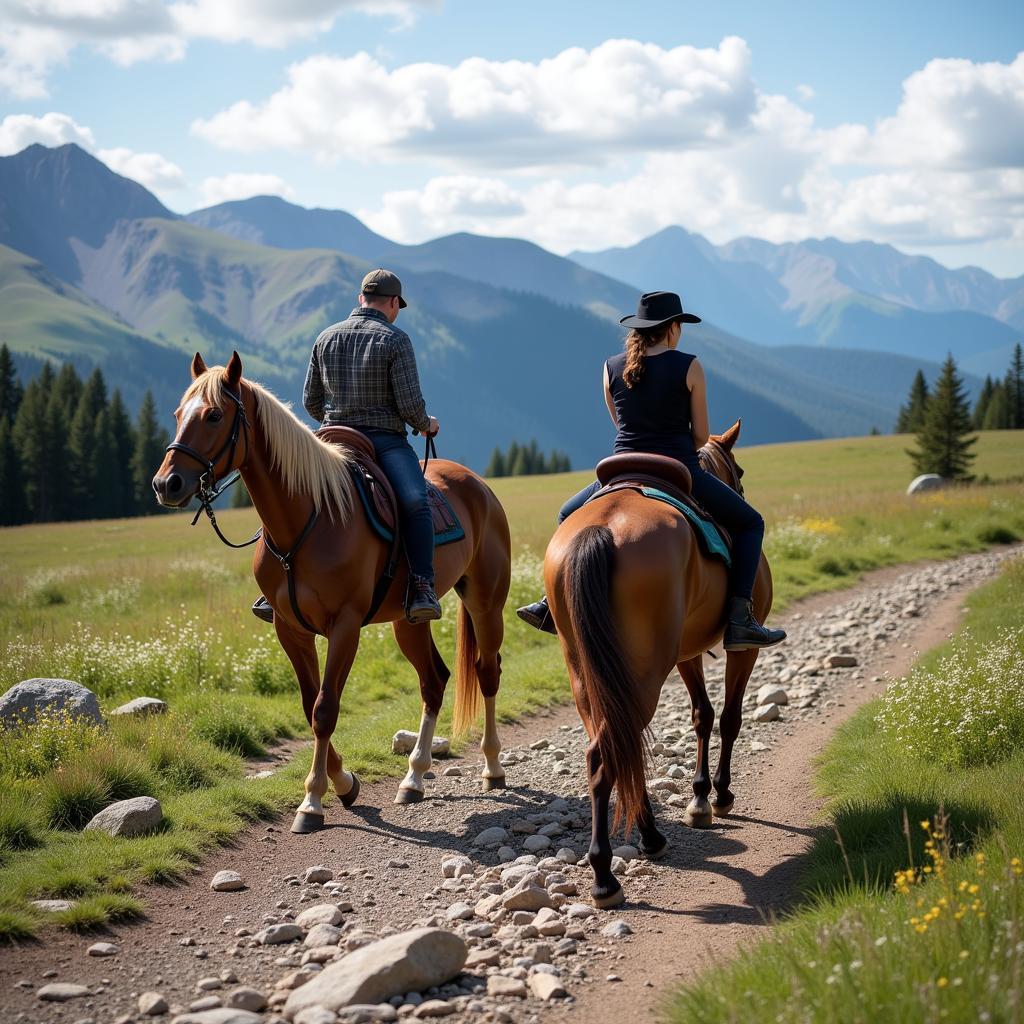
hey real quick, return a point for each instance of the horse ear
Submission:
(233, 374)
(198, 366)
(732, 435)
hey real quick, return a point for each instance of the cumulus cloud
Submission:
(20, 130)
(150, 169)
(242, 186)
(36, 35)
(580, 106)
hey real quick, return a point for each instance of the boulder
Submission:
(142, 706)
(925, 482)
(403, 742)
(132, 817)
(26, 701)
(411, 961)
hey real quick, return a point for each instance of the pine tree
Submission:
(66, 390)
(10, 388)
(32, 437)
(997, 415)
(981, 407)
(1015, 389)
(534, 459)
(82, 461)
(106, 474)
(943, 444)
(123, 499)
(150, 443)
(911, 416)
(496, 467)
(518, 465)
(511, 457)
(13, 509)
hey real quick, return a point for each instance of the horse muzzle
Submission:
(174, 489)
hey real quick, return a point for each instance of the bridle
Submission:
(209, 488)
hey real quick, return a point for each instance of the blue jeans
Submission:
(402, 468)
(726, 506)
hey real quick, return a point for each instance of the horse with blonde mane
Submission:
(303, 492)
(633, 596)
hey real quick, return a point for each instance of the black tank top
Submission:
(654, 414)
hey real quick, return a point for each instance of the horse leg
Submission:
(606, 891)
(653, 845)
(341, 651)
(416, 643)
(738, 668)
(699, 812)
(301, 651)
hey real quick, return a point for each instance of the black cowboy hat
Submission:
(657, 308)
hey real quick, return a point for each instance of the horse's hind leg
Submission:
(606, 891)
(699, 812)
(417, 645)
(738, 668)
(653, 845)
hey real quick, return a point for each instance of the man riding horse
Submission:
(362, 373)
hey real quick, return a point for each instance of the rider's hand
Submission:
(434, 427)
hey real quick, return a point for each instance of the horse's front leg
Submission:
(698, 813)
(739, 665)
(341, 651)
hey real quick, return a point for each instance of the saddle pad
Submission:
(710, 538)
(447, 528)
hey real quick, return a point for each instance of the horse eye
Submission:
(215, 416)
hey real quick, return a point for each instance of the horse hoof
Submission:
(353, 794)
(657, 853)
(698, 819)
(720, 810)
(615, 899)
(306, 822)
(497, 782)
(408, 796)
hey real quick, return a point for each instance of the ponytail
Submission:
(637, 344)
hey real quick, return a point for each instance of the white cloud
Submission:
(579, 106)
(150, 169)
(20, 130)
(242, 186)
(805, 92)
(36, 35)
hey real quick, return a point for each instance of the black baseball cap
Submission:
(383, 282)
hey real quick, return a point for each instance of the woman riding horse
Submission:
(657, 399)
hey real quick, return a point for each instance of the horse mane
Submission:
(308, 466)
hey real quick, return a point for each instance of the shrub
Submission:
(53, 740)
(71, 796)
(20, 824)
(997, 535)
(124, 773)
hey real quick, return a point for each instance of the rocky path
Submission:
(502, 871)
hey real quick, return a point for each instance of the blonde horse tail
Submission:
(467, 683)
(621, 733)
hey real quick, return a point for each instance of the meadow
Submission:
(152, 607)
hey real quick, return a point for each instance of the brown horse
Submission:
(303, 492)
(632, 596)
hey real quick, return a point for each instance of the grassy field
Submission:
(152, 607)
(914, 895)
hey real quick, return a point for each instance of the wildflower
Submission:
(942, 982)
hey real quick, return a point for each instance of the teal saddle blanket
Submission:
(711, 540)
(447, 528)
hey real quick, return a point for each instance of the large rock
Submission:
(141, 706)
(132, 817)
(26, 701)
(925, 482)
(408, 962)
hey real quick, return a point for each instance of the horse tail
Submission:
(467, 683)
(620, 731)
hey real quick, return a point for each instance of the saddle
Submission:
(668, 480)
(378, 496)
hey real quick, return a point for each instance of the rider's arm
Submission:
(405, 383)
(698, 404)
(313, 389)
(608, 398)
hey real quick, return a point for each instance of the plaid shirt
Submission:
(362, 373)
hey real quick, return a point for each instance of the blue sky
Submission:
(896, 122)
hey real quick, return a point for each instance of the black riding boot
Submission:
(421, 603)
(538, 615)
(262, 610)
(743, 632)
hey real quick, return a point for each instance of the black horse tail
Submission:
(621, 733)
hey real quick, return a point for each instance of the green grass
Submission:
(945, 939)
(152, 607)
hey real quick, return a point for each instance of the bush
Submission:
(53, 740)
(72, 796)
(997, 535)
(20, 825)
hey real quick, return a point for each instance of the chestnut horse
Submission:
(305, 497)
(633, 595)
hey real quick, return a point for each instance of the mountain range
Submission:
(93, 268)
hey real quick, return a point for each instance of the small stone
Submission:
(322, 935)
(434, 1008)
(227, 881)
(459, 912)
(221, 1015)
(208, 984)
(152, 1004)
(770, 693)
(626, 853)
(53, 906)
(132, 817)
(246, 999)
(547, 986)
(142, 706)
(526, 896)
(276, 934)
(317, 873)
(766, 713)
(452, 772)
(205, 1003)
(322, 913)
(103, 949)
(61, 991)
(315, 1015)
(757, 746)
(536, 843)
(580, 912)
(456, 867)
(567, 855)
(480, 958)
(540, 745)
(840, 661)
(490, 837)
(505, 988)
(616, 930)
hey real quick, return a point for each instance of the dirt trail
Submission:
(712, 893)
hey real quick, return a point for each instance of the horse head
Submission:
(211, 421)
(717, 458)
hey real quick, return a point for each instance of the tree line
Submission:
(526, 460)
(70, 451)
